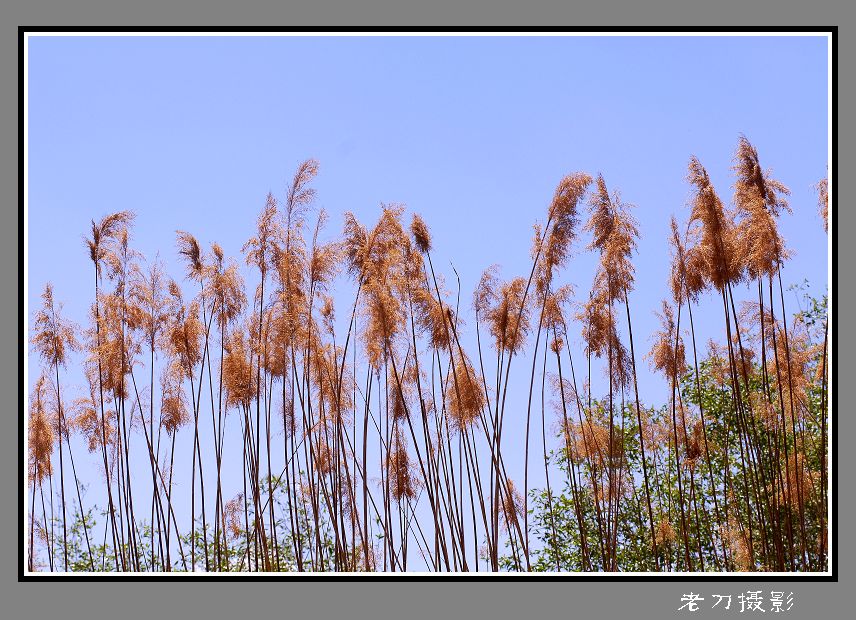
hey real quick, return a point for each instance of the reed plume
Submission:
(402, 475)
(467, 401)
(565, 219)
(509, 316)
(668, 355)
(823, 201)
(238, 377)
(720, 260)
(41, 437)
(104, 234)
(759, 199)
(53, 336)
(174, 413)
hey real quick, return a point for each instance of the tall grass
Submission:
(377, 441)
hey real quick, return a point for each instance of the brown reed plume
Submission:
(509, 317)
(759, 199)
(99, 432)
(174, 412)
(668, 355)
(103, 236)
(402, 475)
(614, 232)
(238, 376)
(466, 402)
(823, 201)
(41, 435)
(565, 219)
(720, 260)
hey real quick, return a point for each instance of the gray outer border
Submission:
(375, 599)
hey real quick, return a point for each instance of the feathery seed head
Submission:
(401, 471)
(421, 234)
(759, 199)
(53, 336)
(668, 355)
(41, 436)
(716, 253)
(464, 394)
(823, 201)
(189, 250)
(174, 413)
(562, 215)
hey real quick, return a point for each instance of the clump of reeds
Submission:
(385, 435)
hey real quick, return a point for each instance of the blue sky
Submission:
(473, 133)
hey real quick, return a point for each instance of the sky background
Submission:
(473, 133)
